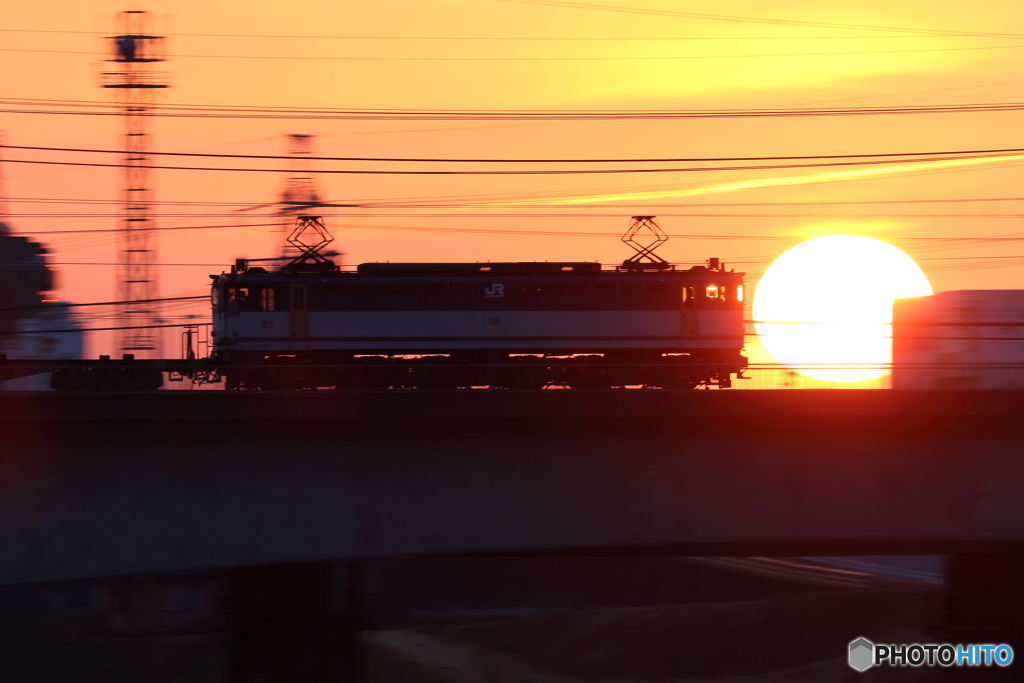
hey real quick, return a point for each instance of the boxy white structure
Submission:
(966, 339)
(52, 333)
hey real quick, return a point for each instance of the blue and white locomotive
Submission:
(448, 325)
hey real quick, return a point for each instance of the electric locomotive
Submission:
(516, 325)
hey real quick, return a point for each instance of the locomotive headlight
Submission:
(712, 291)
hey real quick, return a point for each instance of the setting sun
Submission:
(828, 301)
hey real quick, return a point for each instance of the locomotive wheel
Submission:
(679, 381)
(438, 373)
(275, 377)
(523, 374)
(370, 373)
(364, 379)
(678, 373)
(587, 373)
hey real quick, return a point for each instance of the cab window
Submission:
(266, 299)
(689, 296)
(720, 294)
(238, 295)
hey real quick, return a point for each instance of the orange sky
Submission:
(501, 54)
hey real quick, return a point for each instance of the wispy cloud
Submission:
(757, 183)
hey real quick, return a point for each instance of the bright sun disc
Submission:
(828, 301)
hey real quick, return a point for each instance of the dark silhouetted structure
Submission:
(134, 52)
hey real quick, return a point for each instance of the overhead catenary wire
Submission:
(509, 231)
(103, 329)
(471, 205)
(421, 58)
(928, 263)
(497, 215)
(109, 263)
(479, 205)
(64, 304)
(585, 171)
(734, 18)
(903, 35)
(756, 322)
(163, 202)
(99, 108)
(156, 229)
(959, 152)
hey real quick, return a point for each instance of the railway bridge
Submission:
(100, 485)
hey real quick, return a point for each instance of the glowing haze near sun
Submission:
(828, 301)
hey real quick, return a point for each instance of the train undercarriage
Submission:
(377, 372)
(484, 369)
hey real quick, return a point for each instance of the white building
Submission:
(52, 333)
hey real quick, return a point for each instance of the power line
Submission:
(713, 204)
(66, 200)
(760, 20)
(962, 263)
(568, 233)
(831, 214)
(420, 59)
(964, 258)
(91, 263)
(516, 38)
(757, 322)
(379, 204)
(501, 231)
(516, 172)
(102, 329)
(63, 304)
(156, 229)
(996, 151)
(295, 113)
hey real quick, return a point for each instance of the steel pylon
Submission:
(133, 52)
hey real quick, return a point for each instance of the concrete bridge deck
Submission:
(100, 485)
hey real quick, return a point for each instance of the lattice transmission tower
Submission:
(301, 193)
(134, 52)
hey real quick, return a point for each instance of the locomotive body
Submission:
(447, 325)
